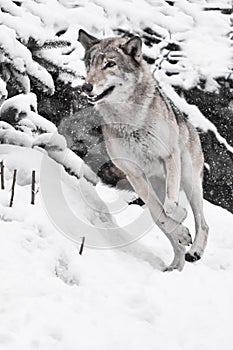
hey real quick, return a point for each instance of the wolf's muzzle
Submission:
(87, 88)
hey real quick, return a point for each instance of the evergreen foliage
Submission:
(30, 53)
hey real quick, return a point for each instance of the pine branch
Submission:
(10, 6)
(54, 67)
(34, 45)
(54, 44)
(50, 66)
(4, 72)
(20, 71)
(8, 61)
(41, 85)
(21, 79)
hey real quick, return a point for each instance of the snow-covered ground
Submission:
(118, 299)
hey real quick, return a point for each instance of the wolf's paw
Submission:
(172, 268)
(177, 264)
(192, 257)
(184, 236)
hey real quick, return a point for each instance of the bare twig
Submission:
(2, 175)
(33, 187)
(82, 246)
(13, 188)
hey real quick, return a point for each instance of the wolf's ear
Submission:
(133, 47)
(86, 39)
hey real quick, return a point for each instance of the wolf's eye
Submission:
(109, 64)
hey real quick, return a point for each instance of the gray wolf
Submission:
(157, 149)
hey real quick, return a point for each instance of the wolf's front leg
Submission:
(173, 173)
(177, 234)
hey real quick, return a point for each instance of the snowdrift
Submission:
(54, 298)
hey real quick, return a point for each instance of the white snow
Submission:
(53, 298)
(3, 90)
(22, 103)
(27, 104)
(185, 22)
(51, 141)
(41, 122)
(22, 58)
(34, 131)
(15, 137)
(195, 29)
(72, 162)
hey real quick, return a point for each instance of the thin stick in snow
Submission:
(13, 188)
(82, 246)
(33, 188)
(2, 175)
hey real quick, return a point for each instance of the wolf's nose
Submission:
(87, 87)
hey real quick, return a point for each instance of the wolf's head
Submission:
(113, 66)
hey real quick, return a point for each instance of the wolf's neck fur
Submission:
(144, 88)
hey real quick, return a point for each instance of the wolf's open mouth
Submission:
(102, 95)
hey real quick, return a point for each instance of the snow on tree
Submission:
(40, 37)
(26, 37)
(21, 125)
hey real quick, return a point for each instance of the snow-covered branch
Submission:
(21, 125)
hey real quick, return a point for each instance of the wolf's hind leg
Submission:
(192, 184)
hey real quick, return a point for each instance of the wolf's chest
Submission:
(134, 147)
